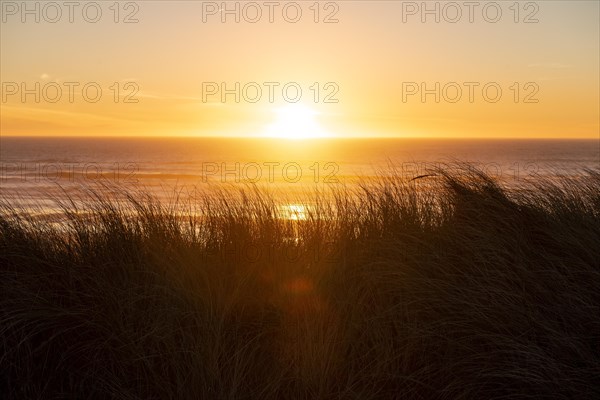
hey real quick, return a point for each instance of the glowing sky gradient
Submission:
(369, 55)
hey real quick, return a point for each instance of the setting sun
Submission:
(295, 121)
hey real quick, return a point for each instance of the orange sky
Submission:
(370, 61)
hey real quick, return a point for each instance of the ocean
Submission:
(41, 169)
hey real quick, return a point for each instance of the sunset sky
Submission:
(367, 61)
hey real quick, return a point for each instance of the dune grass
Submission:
(445, 287)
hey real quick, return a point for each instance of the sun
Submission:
(295, 121)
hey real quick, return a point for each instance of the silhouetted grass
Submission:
(444, 287)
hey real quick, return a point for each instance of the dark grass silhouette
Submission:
(444, 287)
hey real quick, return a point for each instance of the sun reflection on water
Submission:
(294, 212)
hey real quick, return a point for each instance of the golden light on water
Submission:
(294, 212)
